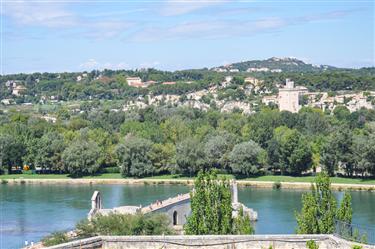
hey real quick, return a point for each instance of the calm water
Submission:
(29, 212)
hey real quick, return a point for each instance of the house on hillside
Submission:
(135, 82)
(18, 90)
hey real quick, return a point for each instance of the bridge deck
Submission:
(165, 203)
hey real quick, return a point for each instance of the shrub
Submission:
(357, 247)
(124, 224)
(312, 245)
(276, 185)
(55, 239)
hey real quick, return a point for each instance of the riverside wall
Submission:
(256, 184)
(211, 242)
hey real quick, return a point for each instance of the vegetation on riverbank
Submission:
(270, 178)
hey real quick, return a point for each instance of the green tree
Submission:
(217, 149)
(134, 156)
(318, 208)
(247, 158)
(337, 151)
(290, 151)
(11, 152)
(241, 224)
(211, 207)
(81, 157)
(190, 157)
(345, 211)
(48, 151)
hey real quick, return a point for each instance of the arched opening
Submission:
(175, 218)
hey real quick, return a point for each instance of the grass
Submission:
(60, 176)
(309, 179)
(269, 178)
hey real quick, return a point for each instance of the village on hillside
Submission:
(288, 96)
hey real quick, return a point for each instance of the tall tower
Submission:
(289, 97)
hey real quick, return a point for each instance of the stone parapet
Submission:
(210, 242)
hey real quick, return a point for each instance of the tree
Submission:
(163, 157)
(190, 156)
(81, 157)
(48, 151)
(247, 158)
(241, 224)
(319, 210)
(11, 152)
(217, 149)
(133, 156)
(211, 208)
(290, 151)
(342, 113)
(363, 149)
(338, 152)
(345, 212)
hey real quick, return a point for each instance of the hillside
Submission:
(275, 64)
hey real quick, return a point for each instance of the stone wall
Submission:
(210, 242)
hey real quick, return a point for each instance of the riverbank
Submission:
(285, 182)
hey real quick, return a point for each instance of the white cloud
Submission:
(152, 64)
(94, 64)
(90, 64)
(213, 28)
(56, 15)
(39, 14)
(174, 8)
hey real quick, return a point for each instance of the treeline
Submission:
(160, 140)
(331, 80)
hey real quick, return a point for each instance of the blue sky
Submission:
(56, 35)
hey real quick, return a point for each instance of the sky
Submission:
(81, 35)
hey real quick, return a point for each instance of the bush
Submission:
(55, 239)
(124, 224)
(312, 245)
(276, 185)
(357, 247)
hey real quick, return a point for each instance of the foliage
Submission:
(81, 157)
(55, 239)
(190, 156)
(124, 224)
(170, 140)
(211, 208)
(241, 224)
(134, 156)
(345, 212)
(319, 210)
(247, 158)
(311, 244)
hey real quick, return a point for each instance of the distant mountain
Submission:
(274, 64)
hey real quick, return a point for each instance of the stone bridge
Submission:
(176, 208)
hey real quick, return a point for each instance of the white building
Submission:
(134, 81)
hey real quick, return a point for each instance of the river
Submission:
(29, 212)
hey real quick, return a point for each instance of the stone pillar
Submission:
(234, 191)
(96, 201)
